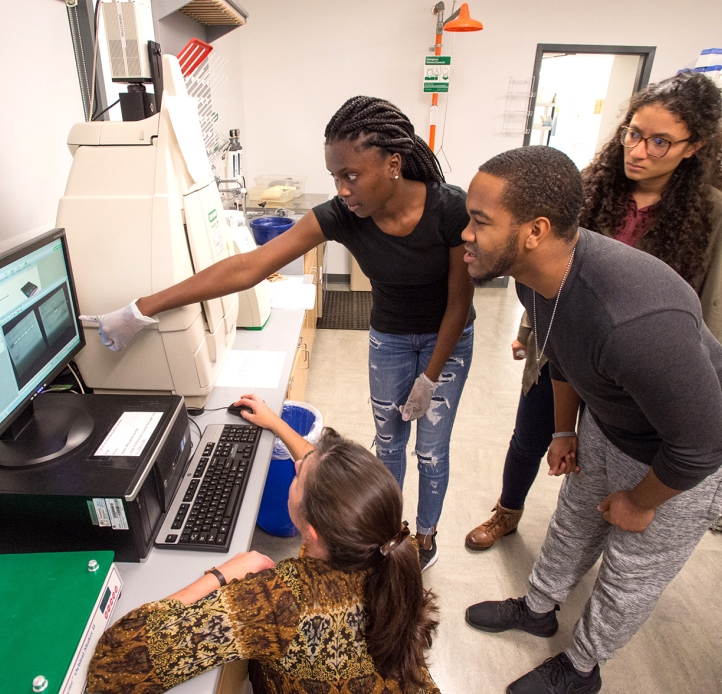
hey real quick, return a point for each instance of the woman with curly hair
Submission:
(653, 186)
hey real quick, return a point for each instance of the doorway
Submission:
(581, 93)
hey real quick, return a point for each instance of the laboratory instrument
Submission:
(142, 212)
(254, 304)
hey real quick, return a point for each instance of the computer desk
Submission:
(166, 571)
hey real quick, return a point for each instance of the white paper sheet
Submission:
(292, 294)
(252, 369)
(130, 434)
(183, 112)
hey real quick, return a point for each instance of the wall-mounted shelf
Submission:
(215, 12)
(177, 21)
(518, 97)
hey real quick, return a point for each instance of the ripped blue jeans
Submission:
(395, 361)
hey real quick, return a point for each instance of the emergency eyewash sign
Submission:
(437, 70)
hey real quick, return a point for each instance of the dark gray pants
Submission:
(636, 567)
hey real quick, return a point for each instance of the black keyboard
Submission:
(205, 508)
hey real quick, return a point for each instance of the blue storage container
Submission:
(273, 514)
(266, 228)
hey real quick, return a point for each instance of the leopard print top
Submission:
(302, 621)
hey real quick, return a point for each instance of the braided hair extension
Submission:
(680, 230)
(378, 123)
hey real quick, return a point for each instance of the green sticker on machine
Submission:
(437, 73)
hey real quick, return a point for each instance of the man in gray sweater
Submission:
(623, 332)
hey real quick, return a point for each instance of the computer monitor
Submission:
(39, 334)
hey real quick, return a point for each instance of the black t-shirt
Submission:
(628, 335)
(409, 274)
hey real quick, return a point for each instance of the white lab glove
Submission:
(118, 328)
(419, 399)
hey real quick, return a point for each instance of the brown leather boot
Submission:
(503, 522)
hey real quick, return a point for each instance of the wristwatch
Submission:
(221, 578)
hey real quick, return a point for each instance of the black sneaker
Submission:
(428, 557)
(557, 675)
(496, 616)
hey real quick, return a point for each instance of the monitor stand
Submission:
(44, 433)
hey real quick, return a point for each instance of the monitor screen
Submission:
(39, 328)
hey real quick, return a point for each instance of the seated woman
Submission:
(350, 614)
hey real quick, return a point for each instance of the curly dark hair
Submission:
(378, 123)
(539, 182)
(680, 229)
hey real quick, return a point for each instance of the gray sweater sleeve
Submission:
(661, 360)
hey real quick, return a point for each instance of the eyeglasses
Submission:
(655, 146)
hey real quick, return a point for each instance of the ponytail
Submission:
(378, 123)
(401, 616)
(355, 505)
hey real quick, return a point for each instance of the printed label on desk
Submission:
(117, 514)
(101, 513)
(129, 434)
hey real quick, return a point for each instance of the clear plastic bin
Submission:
(260, 194)
(269, 180)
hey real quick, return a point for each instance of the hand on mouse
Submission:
(262, 415)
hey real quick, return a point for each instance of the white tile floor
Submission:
(679, 649)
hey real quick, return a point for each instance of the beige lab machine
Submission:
(254, 305)
(142, 212)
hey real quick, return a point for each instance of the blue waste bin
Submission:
(273, 514)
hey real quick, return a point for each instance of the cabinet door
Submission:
(299, 372)
(310, 263)
(319, 284)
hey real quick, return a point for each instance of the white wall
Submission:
(302, 58)
(41, 100)
(296, 61)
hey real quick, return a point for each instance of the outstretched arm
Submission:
(238, 272)
(225, 277)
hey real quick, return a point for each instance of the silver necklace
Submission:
(537, 354)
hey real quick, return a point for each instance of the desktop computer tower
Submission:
(110, 493)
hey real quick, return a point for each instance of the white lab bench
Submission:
(166, 571)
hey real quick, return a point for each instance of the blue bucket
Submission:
(266, 228)
(273, 514)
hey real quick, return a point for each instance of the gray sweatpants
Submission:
(636, 567)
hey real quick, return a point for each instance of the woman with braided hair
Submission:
(403, 224)
(655, 186)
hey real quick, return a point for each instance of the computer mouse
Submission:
(237, 409)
